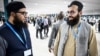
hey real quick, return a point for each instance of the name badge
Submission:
(27, 52)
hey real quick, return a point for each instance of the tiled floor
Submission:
(40, 47)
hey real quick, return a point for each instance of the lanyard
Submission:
(18, 36)
(76, 33)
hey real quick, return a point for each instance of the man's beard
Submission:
(18, 23)
(74, 21)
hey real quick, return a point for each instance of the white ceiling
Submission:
(55, 6)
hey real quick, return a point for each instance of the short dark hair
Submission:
(14, 7)
(60, 16)
(77, 3)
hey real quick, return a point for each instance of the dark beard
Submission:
(18, 23)
(74, 21)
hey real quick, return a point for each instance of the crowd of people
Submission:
(42, 23)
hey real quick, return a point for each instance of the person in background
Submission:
(55, 27)
(39, 27)
(46, 26)
(33, 20)
(75, 37)
(99, 26)
(1, 22)
(15, 30)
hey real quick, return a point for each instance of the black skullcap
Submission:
(14, 6)
(79, 4)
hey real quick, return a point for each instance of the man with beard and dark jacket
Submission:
(15, 30)
(75, 37)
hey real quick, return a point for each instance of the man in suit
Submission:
(15, 30)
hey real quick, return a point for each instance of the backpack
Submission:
(40, 22)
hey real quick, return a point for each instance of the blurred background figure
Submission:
(46, 27)
(39, 27)
(55, 27)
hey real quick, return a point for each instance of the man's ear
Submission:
(12, 13)
(80, 12)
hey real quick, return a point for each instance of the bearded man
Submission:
(75, 37)
(15, 30)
